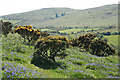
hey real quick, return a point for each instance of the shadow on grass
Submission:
(44, 63)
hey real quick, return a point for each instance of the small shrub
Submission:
(6, 27)
(42, 62)
(13, 42)
(101, 48)
(51, 46)
(93, 44)
(29, 34)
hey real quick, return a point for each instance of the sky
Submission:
(18, 6)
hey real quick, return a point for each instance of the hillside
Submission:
(93, 17)
(38, 16)
(18, 62)
(21, 60)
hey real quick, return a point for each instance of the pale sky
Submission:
(19, 6)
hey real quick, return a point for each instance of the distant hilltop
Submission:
(58, 17)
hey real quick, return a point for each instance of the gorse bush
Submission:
(83, 41)
(6, 27)
(52, 46)
(101, 48)
(91, 43)
(27, 32)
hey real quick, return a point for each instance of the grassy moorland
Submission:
(17, 62)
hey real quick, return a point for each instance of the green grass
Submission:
(47, 30)
(24, 59)
(78, 63)
(70, 30)
(89, 65)
(113, 39)
(76, 30)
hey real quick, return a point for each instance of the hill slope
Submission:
(100, 16)
(18, 62)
